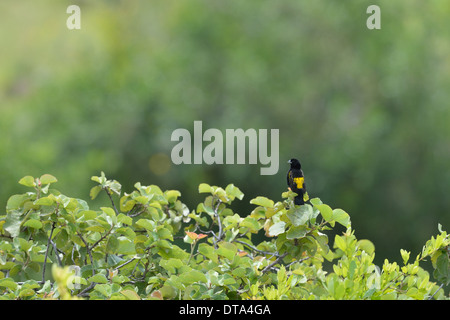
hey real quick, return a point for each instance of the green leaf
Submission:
(405, 256)
(109, 211)
(8, 283)
(208, 251)
(352, 269)
(33, 223)
(341, 217)
(171, 264)
(315, 201)
(16, 201)
(12, 224)
(89, 215)
(322, 240)
(130, 294)
(126, 246)
(367, 246)
(227, 250)
(442, 272)
(300, 215)
(27, 292)
(104, 289)
(96, 228)
(98, 278)
(168, 292)
(126, 204)
(44, 201)
(114, 186)
(219, 192)
(47, 179)
(296, 232)
(325, 211)
(205, 188)
(231, 221)
(141, 199)
(95, 191)
(239, 272)
(234, 192)
(27, 181)
(340, 243)
(112, 244)
(146, 224)
(277, 228)
(267, 212)
(369, 293)
(192, 276)
(97, 179)
(250, 223)
(172, 195)
(124, 219)
(262, 201)
(164, 233)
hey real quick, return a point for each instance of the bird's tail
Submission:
(298, 200)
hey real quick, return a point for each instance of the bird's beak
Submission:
(289, 161)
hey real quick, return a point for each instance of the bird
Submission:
(296, 181)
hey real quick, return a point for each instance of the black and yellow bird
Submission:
(296, 181)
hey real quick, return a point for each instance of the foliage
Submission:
(109, 95)
(149, 245)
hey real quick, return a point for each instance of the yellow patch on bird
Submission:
(299, 181)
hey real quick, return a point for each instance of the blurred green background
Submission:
(366, 111)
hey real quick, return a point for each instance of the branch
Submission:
(137, 213)
(89, 252)
(274, 263)
(440, 287)
(46, 252)
(56, 252)
(219, 223)
(112, 201)
(84, 292)
(257, 250)
(124, 264)
(102, 238)
(207, 232)
(297, 261)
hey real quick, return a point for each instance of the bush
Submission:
(148, 245)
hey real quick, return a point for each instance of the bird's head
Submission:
(295, 164)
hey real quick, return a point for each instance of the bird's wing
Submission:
(296, 179)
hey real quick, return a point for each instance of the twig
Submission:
(208, 232)
(101, 239)
(46, 252)
(216, 213)
(112, 201)
(257, 250)
(297, 261)
(274, 263)
(89, 252)
(83, 293)
(440, 287)
(124, 264)
(137, 213)
(56, 252)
